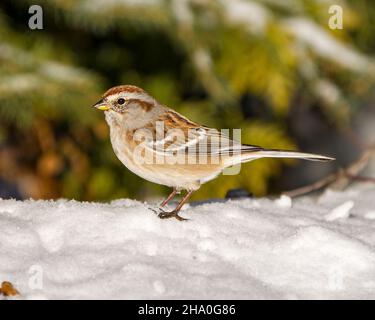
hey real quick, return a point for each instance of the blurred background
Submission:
(273, 68)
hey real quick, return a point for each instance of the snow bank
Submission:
(245, 249)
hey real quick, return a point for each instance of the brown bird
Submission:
(162, 146)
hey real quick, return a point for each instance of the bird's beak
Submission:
(101, 105)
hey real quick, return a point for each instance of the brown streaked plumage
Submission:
(146, 106)
(123, 88)
(162, 146)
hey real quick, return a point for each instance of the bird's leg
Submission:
(169, 198)
(174, 213)
(165, 201)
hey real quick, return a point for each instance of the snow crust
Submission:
(308, 248)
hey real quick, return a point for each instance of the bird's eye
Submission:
(121, 101)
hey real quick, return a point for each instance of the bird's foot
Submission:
(173, 214)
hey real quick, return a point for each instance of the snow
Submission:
(341, 212)
(284, 201)
(308, 248)
(370, 215)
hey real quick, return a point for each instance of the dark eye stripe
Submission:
(121, 101)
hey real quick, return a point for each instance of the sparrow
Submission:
(162, 146)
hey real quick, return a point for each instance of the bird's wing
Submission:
(177, 134)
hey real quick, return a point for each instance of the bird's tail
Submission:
(273, 153)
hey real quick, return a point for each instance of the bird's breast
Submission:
(133, 155)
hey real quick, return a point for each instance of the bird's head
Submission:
(124, 99)
(128, 106)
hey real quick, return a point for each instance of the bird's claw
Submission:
(167, 215)
(173, 214)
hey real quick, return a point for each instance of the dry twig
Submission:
(340, 179)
